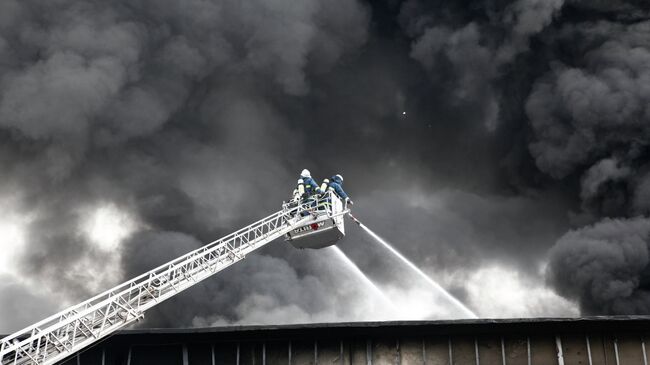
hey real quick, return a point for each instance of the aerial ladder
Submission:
(313, 223)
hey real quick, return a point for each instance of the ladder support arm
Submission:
(61, 335)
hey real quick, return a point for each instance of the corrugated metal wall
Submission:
(615, 341)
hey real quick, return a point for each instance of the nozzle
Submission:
(354, 219)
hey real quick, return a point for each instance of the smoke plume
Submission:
(483, 138)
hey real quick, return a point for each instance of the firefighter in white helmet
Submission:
(306, 186)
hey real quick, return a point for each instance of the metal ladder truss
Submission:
(63, 334)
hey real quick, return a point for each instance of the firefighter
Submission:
(307, 191)
(336, 184)
(306, 185)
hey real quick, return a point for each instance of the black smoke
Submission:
(588, 115)
(605, 266)
(475, 133)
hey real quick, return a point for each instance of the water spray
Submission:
(432, 282)
(363, 277)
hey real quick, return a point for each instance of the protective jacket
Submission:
(310, 185)
(337, 184)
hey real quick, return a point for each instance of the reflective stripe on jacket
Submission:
(310, 185)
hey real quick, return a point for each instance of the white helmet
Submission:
(305, 173)
(339, 176)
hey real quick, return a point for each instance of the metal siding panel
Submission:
(516, 351)
(607, 346)
(644, 350)
(411, 351)
(489, 350)
(463, 350)
(225, 353)
(115, 355)
(357, 352)
(159, 355)
(598, 354)
(629, 350)
(602, 349)
(329, 352)
(70, 361)
(250, 353)
(437, 350)
(302, 352)
(92, 356)
(277, 353)
(574, 349)
(543, 350)
(199, 354)
(384, 352)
